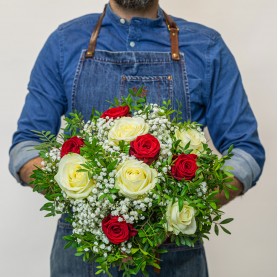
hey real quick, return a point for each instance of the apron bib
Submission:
(103, 75)
(100, 77)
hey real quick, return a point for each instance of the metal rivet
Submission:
(122, 20)
(174, 55)
(173, 34)
(169, 78)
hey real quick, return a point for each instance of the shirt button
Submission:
(132, 44)
(122, 20)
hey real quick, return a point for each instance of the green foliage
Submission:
(74, 123)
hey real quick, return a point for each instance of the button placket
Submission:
(135, 33)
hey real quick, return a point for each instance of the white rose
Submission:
(180, 221)
(135, 178)
(74, 183)
(195, 138)
(128, 129)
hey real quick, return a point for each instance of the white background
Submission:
(249, 29)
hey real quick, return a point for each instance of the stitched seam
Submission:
(212, 37)
(186, 89)
(61, 48)
(147, 79)
(208, 73)
(128, 62)
(143, 61)
(76, 78)
(80, 21)
(64, 225)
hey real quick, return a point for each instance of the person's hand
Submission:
(233, 193)
(27, 170)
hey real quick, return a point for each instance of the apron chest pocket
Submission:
(156, 88)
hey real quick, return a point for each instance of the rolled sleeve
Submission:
(44, 105)
(21, 154)
(245, 168)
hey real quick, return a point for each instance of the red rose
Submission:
(145, 148)
(117, 231)
(116, 112)
(184, 167)
(72, 145)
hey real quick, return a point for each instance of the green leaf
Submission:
(156, 265)
(68, 245)
(150, 242)
(177, 241)
(229, 174)
(184, 191)
(162, 251)
(100, 260)
(200, 205)
(109, 197)
(69, 238)
(141, 234)
(225, 221)
(216, 218)
(216, 229)
(230, 149)
(213, 193)
(225, 230)
(102, 196)
(180, 204)
(134, 250)
(78, 254)
(226, 193)
(231, 187)
(169, 159)
(114, 190)
(144, 252)
(213, 205)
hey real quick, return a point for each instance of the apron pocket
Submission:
(156, 88)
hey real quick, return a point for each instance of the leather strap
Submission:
(171, 25)
(93, 41)
(174, 36)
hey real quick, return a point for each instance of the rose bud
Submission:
(117, 231)
(145, 148)
(184, 167)
(72, 145)
(116, 112)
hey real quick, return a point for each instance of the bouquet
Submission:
(129, 179)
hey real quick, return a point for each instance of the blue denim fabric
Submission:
(216, 95)
(181, 261)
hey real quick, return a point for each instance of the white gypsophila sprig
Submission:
(202, 189)
(60, 206)
(89, 130)
(51, 160)
(54, 154)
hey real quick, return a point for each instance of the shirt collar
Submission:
(111, 16)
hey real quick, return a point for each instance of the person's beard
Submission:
(135, 4)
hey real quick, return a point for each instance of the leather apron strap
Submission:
(174, 36)
(93, 41)
(172, 27)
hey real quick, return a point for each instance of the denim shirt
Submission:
(217, 96)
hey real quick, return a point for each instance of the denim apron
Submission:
(101, 76)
